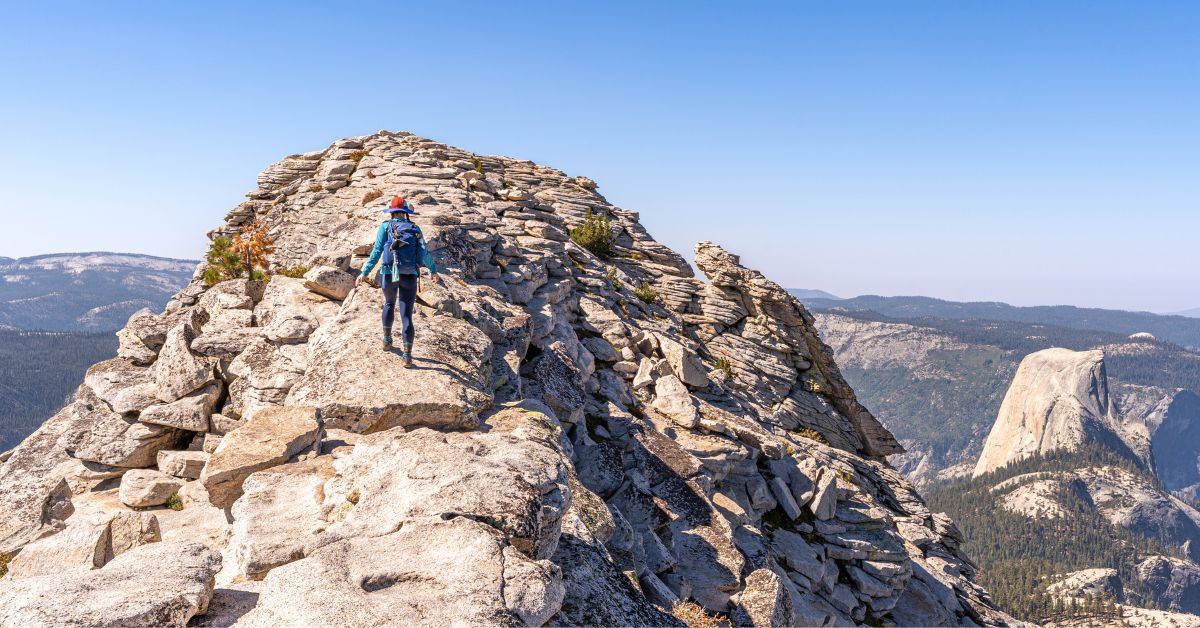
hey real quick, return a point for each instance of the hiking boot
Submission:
(407, 357)
(387, 343)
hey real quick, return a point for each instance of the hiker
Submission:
(402, 245)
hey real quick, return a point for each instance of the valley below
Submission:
(58, 316)
(1067, 455)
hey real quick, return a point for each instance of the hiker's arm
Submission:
(376, 251)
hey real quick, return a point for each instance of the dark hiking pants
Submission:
(406, 288)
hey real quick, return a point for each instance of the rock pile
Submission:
(583, 441)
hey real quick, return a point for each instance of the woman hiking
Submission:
(400, 241)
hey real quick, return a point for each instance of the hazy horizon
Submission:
(1191, 312)
(1022, 152)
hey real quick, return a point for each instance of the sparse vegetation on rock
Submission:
(295, 272)
(370, 196)
(645, 293)
(595, 234)
(223, 262)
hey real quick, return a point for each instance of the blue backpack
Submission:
(402, 252)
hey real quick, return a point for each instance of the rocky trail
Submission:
(582, 441)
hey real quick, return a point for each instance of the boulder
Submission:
(178, 371)
(556, 378)
(84, 475)
(784, 498)
(682, 362)
(545, 231)
(800, 556)
(288, 298)
(35, 499)
(264, 373)
(673, 399)
(265, 365)
(128, 530)
(131, 348)
(226, 295)
(278, 516)
(135, 398)
(867, 584)
(110, 378)
(109, 438)
(228, 319)
(765, 601)
(158, 584)
(187, 413)
(290, 330)
(221, 424)
(602, 349)
(225, 343)
(514, 476)
(329, 282)
(229, 603)
(646, 374)
(182, 464)
(268, 438)
(82, 545)
(429, 572)
(142, 488)
(86, 543)
(824, 501)
(359, 388)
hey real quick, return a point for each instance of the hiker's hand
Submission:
(358, 281)
(438, 280)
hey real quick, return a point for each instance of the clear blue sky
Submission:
(1030, 152)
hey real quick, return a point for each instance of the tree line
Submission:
(1019, 556)
(38, 372)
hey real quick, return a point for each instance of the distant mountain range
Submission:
(1192, 313)
(57, 317)
(935, 371)
(95, 291)
(1183, 330)
(804, 294)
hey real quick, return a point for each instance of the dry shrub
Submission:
(811, 434)
(694, 616)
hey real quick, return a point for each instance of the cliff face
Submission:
(1058, 400)
(1174, 442)
(1059, 404)
(564, 450)
(938, 394)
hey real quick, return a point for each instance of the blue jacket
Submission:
(381, 237)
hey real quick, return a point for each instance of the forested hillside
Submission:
(38, 370)
(938, 383)
(58, 313)
(1020, 556)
